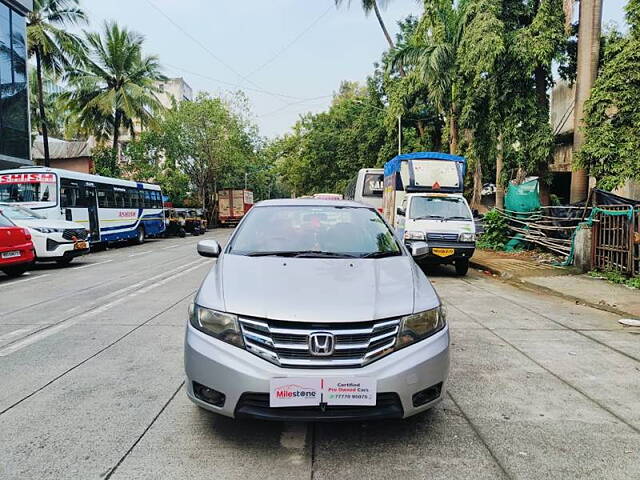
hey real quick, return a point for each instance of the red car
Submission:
(16, 248)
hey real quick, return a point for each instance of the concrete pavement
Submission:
(92, 386)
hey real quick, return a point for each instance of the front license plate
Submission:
(81, 245)
(11, 254)
(304, 392)
(443, 252)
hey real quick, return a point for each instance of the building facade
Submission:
(173, 91)
(15, 136)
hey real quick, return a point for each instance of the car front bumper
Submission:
(50, 247)
(461, 251)
(244, 380)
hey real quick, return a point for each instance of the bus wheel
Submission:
(462, 267)
(140, 237)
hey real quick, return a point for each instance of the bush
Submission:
(496, 231)
(617, 277)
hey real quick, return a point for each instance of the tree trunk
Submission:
(116, 130)
(476, 199)
(420, 126)
(43, 115)
(382, 25)
(453, 132)
(499, 167)
(587, 71)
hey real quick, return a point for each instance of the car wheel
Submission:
(182, 233)
(140, 236)
(14, 271)
(462, 267)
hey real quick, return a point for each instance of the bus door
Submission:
(92, 206)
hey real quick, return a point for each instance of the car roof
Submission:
(310, 202)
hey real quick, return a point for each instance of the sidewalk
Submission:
(560, 281)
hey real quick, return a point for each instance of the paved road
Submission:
(91, 386)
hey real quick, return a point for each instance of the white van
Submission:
(367, 187)
(445, 222)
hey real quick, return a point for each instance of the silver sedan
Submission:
(315, 311)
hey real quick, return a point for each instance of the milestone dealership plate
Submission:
(443, 252)
(312, 391)
(81, 245)
(11, 254)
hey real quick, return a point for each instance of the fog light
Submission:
(427, 395)
(208, 395)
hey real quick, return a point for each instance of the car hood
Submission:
(48, 223)
(316, 290)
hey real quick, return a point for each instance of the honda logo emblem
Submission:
(321, 344)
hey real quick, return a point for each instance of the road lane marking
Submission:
(141, 253)
(139, 288)
(173, 246)
(17, 333)
(31, 277)
(92, 265)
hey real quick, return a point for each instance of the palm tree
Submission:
(52, 46)
(368, 6)
(433, 52)
(115, 85)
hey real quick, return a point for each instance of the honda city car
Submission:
(315, 311)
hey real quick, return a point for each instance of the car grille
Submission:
(256, 405)
(287, 343)
(79, 234)
(439, 237)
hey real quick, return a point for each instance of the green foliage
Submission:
(105, 162)
(612, 113)
(496, 231)
(114, 84)
(616, 277)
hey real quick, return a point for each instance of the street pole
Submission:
(589, 33)
(246, 175)
(399, 134)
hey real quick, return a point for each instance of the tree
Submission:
(115, 85)
(368, 6)
(612, 112)
(52, 46)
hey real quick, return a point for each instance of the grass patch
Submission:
(617, 277)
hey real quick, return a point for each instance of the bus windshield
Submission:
(28, 188)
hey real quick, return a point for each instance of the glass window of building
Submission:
(14, 107)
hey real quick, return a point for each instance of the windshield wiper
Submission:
(300, 254)
(380, 254)
(458, 218)
(426, 217)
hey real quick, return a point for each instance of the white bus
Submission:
(111, 209)
(367, 187)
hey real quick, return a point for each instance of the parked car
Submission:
(54, 240)
(16, 248)
(315, 311)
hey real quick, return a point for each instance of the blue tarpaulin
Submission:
(393, 165)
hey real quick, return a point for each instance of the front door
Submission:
(92, 205)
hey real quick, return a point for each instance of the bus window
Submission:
(120, 197)
(148, 203)
(106, 198)
(373, 185)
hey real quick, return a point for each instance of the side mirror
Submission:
(401, 211)
(209, 248)
(419, 249)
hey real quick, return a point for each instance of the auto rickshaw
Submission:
(194, 222)
(175, 223)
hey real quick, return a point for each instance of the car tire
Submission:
(462, 267)
(140, 236)
(14, 272)
(63, 262)
(182, 233)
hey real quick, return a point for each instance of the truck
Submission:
(423, 200)
(367, 187)
(233, 205)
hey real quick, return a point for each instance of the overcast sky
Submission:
(288, 55)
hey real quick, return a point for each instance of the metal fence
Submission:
(616, 240)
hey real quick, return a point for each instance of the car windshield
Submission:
(5, 222)
(445, 208)
(15, 212)
(314, 231)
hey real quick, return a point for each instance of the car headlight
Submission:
(47, 230)
(414, 328)
(409, 235)
(223, 326)
(467, 237)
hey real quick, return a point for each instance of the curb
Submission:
(522, 282)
